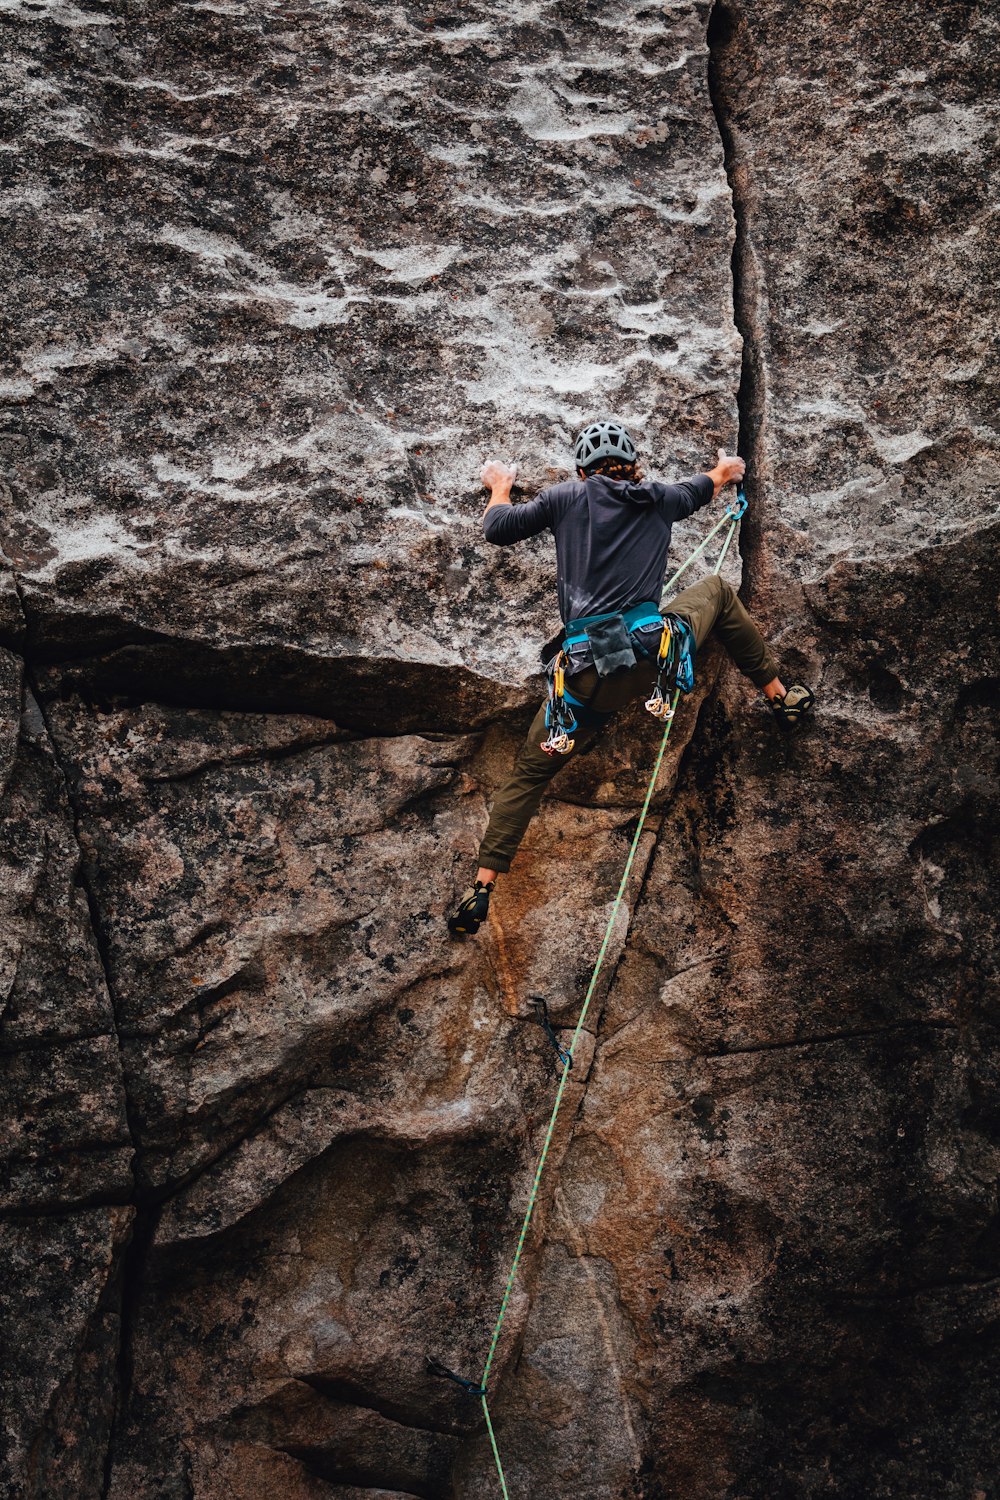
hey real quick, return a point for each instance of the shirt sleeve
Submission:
(503, 525)
(676, 501)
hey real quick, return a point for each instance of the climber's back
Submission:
(612, 528)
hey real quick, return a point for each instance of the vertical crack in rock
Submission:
(100, 947)
(100, 944)
(144, 1225)
(133, 1269)
(751, 397)
(750, 400)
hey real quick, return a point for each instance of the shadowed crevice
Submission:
(830, 1038)
(751, 398)
(363, 695)
(136, 1251)
(349, 1393)
(133, 1280)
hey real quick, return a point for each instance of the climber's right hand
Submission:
(496, 475)
(727, 470)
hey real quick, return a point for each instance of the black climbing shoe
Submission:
(473, 909)
(794, 709)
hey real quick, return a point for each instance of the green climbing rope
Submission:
(732, 515)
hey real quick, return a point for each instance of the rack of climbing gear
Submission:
(674, 665)
(560, 719)
(657, 704)
(732, 515)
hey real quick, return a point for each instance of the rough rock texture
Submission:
(278, 278)
(65, 1169)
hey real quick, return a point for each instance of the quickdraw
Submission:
(657, 704)
(560, 719)
(549, 1029)
(674, 666)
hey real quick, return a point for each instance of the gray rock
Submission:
(280, 279)
(341, 260)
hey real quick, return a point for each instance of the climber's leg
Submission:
(713, 607)
(517, 800)
(514, 805)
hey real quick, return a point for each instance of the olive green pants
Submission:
(709, 607)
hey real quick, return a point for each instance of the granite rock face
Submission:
(66, 1183)
(278, 278)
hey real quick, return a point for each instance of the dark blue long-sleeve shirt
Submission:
(612, 537)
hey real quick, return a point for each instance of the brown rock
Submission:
(65, 1143)
(281, 279)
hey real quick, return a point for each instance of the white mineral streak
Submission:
(954, 128)
(413, 263)
(167, 87)
(14, 389)
(56, 11)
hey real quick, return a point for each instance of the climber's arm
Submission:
(498, 479)
(678, 501)
(503, 523)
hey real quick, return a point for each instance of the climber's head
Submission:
(605, 448)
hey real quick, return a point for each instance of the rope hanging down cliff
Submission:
(731, 516)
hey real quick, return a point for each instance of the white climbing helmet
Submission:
(603, 440)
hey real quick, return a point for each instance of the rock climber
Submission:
(612, 531)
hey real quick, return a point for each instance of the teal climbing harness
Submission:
(607, 643)
(731, 516)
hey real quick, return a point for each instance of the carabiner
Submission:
(658, 706)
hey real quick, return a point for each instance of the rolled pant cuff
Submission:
(761, 676)
(498, 862)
